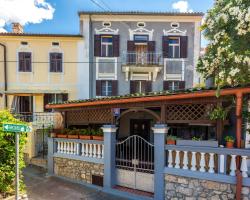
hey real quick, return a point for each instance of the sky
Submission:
(60, 16)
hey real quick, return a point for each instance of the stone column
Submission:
(50, 156)
(160, 131)
(109, 155)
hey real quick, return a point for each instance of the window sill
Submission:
(176, 59)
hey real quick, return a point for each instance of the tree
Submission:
(7, 154)
(227, 59)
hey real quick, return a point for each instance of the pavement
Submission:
(41, 187)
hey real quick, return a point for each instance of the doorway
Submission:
(141, 51)
(140, 127)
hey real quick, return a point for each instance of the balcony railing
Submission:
(40, 119)
(142, 58)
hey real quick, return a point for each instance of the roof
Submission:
(41, 34)
(152, 96)
(140, 13)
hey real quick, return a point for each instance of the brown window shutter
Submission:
(148, 86)
(165, 45)
(166, 85)
(65, 97)
(184, 46)
(181, 85)
(114, 87)
(132, 87)
(98, 87)
(46, 100)
(116, 45)
(97, 45)
(151, 46)
(52, 63)
(131, 50)
(28, 61)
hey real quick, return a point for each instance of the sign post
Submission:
(17, 129)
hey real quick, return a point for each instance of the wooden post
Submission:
(163, 113)
(239, 97)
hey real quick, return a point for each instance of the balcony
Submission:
(41, 119)
(148, 63)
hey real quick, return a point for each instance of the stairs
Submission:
(39, 161)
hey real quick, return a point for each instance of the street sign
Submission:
(16, 128)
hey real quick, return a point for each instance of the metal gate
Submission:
(135, 163)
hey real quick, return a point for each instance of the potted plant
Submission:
(229, 141)
(97, 134)
(73, 134)
(171, 140)
(63, 133)
(85, 134)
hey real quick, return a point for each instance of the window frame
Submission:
(144, 35)
(174, 46)
(106, 76)
(18, 62)
(62, 66)
(108, 85)
(173, 85)
(107, 45)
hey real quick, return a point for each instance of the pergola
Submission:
(184, 106)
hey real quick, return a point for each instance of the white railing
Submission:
(207, 159)
(89, 149)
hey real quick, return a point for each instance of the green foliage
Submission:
(196, 138)
(7, 154)
(227, 57)
(229, 139)
(171, 137)
(218, 113)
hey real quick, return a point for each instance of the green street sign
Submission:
(16, 128)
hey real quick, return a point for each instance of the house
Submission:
(134, 159)
(37, 69)
(138, 52)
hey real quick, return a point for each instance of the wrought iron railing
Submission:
(142, 58)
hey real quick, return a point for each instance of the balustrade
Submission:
(90, 149)
(205, 159)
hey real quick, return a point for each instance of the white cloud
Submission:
(182, 6)
(24, 11)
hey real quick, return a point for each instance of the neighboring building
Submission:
(40, 69)
(138, 52)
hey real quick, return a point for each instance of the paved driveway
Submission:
(40, 187)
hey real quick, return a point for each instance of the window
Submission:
(140, 86)
(174, 85)
(24, 43)
(55, 62)
(24, 62)
(174, 47)
(141, 38)
(106, 88)
(106, 68)
(55, 43)
(106, 46)
(54, 98)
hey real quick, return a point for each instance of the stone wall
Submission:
(177, 187)
(77, 170)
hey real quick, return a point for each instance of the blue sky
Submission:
(65, 17)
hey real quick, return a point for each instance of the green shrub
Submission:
(7, 155)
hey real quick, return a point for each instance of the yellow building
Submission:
(36, 69)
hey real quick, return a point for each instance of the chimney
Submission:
(17, 28)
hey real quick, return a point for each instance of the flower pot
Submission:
(73, 136)
(85, 137)
(97, 138)
(171, 142)
(230, 145)
(61, 135)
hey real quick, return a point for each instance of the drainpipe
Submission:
(5, 74)
(239, 100)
